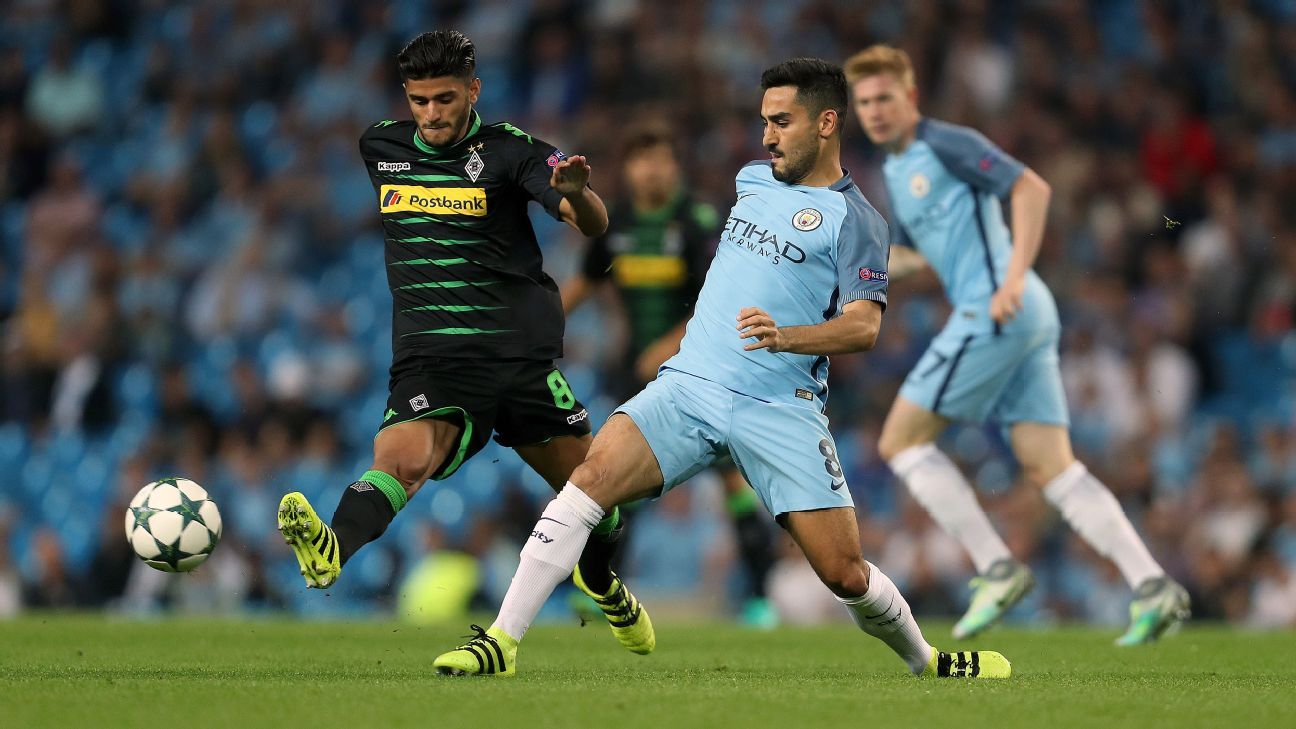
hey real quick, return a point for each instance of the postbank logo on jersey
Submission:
(440, 200)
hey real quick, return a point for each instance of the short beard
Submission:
(798, 167)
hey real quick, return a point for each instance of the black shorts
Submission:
(524, 402)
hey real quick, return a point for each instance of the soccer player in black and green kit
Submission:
(655, 253)
(476, 324)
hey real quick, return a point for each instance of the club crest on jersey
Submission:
(807, 219)
(475, 165)
(555, 158)
(419, 402)
(919, 185)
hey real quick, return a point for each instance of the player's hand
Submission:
(570, 176)
(1007, 301)
(754, 322)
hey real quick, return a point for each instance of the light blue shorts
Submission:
(1008, 378)
(784, 451)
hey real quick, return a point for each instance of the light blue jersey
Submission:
(799, 253)
(945, 190)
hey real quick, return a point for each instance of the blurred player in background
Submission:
(476, 323)
(997, 358)
(654, 254)
(802, 247)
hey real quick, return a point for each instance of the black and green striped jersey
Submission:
(462, 259)
(657, 261)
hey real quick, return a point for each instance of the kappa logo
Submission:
(919, 185)
(394, 167)
(577, 417)
(419, 402)
(807, 220)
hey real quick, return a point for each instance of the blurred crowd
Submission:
(191, 282)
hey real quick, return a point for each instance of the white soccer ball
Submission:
(173, 525)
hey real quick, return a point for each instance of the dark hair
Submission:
(820, 85)
(438, 53)
(644, 137)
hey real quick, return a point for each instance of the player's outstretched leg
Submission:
(548, 558)
(365, 510)
(313, 543)
(830, 540)
(620, 468)
(1097, 517)
(1160, 605)
(994, 594)
(556, 460)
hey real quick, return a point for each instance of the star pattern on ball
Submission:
(171, 553)
(188, 511)
(142, 514)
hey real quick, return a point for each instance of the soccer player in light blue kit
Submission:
(996, 359)
(800, 274)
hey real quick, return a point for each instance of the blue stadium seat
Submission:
(13, 452)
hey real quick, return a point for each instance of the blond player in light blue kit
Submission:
(996, 360)
(800, 274)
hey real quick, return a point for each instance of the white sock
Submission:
(1095, 514)
(936, 483)
(548, 558)
(883, 613)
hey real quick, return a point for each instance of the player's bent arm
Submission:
(575, 291)
(856, 330)
(584, 211)
(1030, 198)
(904, 262)
(662, 349)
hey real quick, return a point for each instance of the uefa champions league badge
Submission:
(475, 165)
(807, 219)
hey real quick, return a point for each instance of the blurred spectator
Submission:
(63, 98)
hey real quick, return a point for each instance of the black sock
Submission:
(596, 561)
(362, 516)
(755, 548)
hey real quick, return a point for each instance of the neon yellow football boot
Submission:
(625, 614)
(967, 664)
(313, 543)
(490, 653)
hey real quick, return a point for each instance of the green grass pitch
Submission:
(83, 671)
